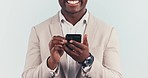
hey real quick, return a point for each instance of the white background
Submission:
(130, 17)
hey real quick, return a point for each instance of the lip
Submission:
(73, 3)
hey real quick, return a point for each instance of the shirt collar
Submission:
(84, 18)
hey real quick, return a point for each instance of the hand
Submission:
(56, 50)
(78, 51)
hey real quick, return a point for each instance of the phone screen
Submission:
(76, 37)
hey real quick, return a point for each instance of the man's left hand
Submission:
(78, 51)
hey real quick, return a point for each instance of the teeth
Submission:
(73, 2)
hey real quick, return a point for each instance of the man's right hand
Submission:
(56, 51)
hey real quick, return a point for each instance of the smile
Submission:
(73, 2)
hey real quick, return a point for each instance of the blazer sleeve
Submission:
(34, 66)
(110, 65)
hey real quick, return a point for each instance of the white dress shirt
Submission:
(68, 28)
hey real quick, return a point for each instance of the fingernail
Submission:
(59, 46)
(65, 41)
(86, 35)
(71, 41)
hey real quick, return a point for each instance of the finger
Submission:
(85, 41)
(59, 50)
(60, 38)
(60, 46)
(74, 48)
(55, 42)
(79, 45)
(70, 52)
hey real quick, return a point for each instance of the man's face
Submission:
(73, 6)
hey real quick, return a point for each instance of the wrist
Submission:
(88, 61)
(51, 63)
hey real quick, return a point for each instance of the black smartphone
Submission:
(76, 37)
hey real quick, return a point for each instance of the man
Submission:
(50, 55)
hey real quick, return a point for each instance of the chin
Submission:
(75, 11)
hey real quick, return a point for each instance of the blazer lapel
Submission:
(55, 27)
(90, 29)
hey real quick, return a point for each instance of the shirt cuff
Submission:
(50, 72)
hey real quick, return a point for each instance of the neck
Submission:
(73, 18)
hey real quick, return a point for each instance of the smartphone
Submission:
(76, 37)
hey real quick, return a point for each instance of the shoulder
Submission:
(99, 22)
(45, 24)
(100, 25)
(43, 27)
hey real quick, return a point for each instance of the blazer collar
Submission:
(56, 29)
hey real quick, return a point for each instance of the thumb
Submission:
(85, 41)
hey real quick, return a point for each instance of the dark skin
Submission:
(73, 13)
(78, 51)
(73, 18)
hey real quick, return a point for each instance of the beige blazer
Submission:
(103, 44)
